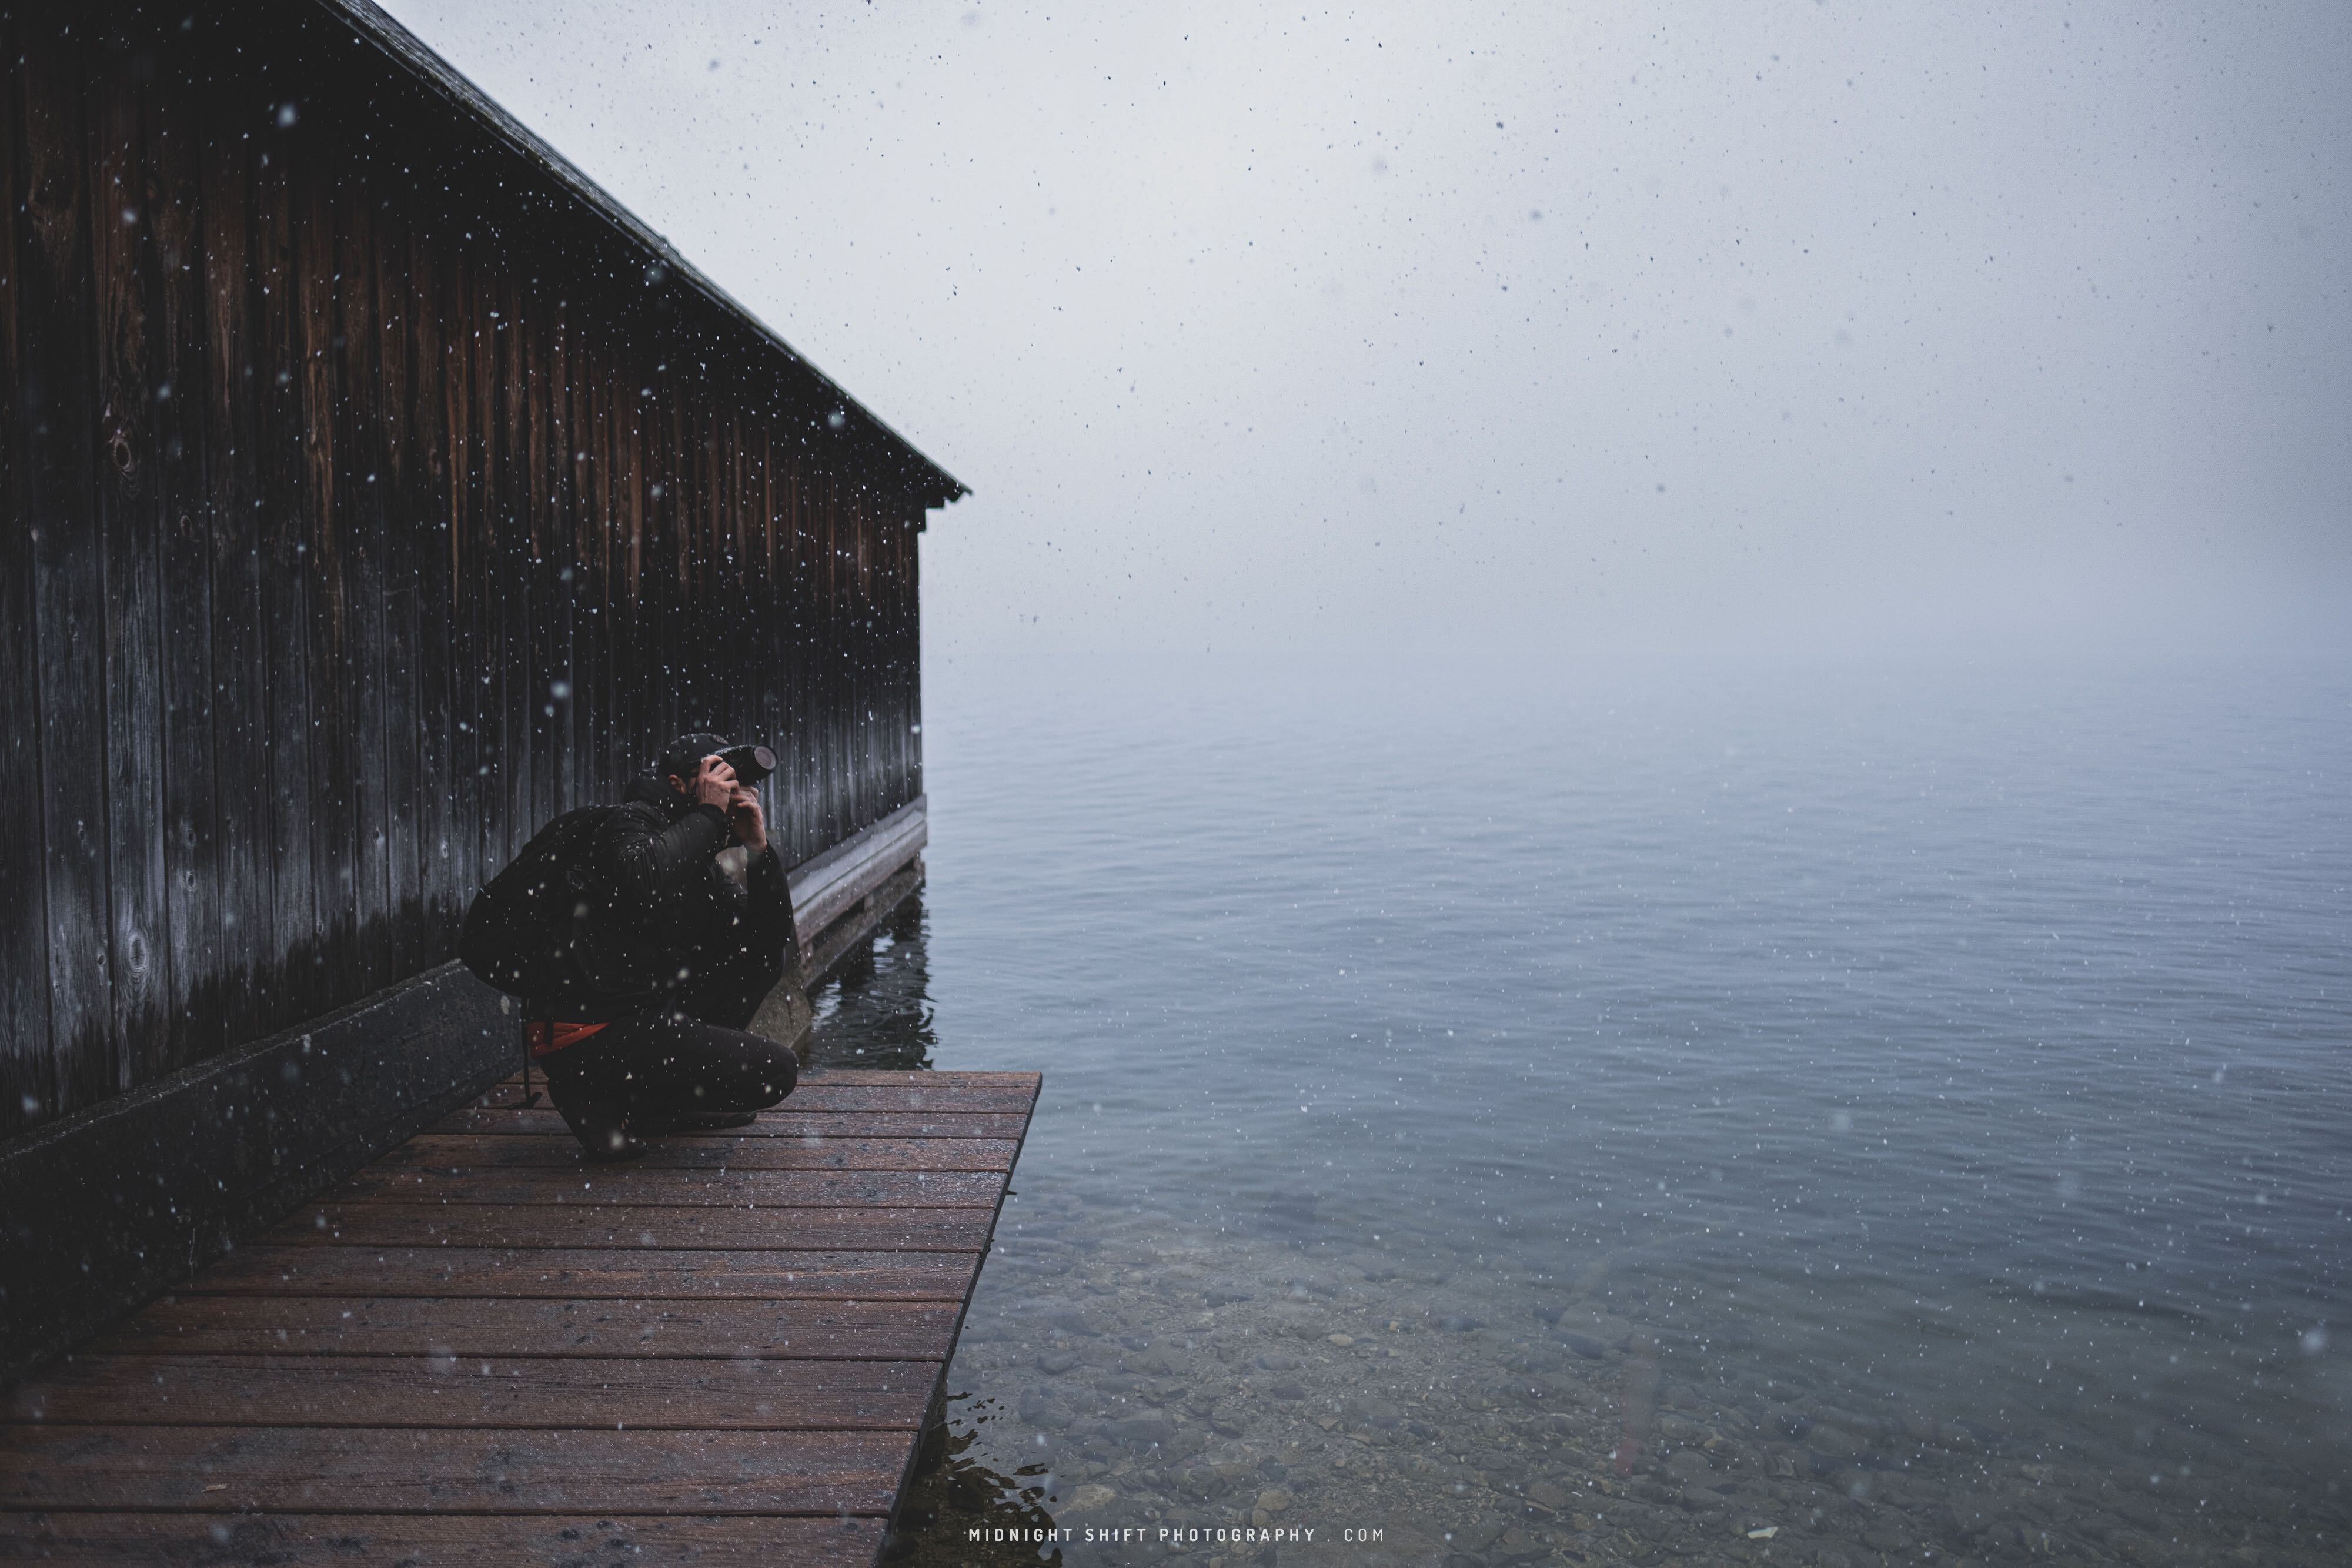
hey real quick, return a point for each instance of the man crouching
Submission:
(644, 1033)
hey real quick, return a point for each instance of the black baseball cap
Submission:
(681, 757)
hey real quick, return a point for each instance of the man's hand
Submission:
(714, 784)
(750, 822)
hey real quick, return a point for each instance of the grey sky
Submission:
(1530, 329)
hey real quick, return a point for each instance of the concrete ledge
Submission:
(860, 921)
(787, 1014)
(827, 886)
(106, 1207)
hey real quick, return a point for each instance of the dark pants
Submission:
(639, 1074)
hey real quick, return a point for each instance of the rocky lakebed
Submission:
(1216, 1383)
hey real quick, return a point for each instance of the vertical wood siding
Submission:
(369, 501)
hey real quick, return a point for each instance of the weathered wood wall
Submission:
(372, 497)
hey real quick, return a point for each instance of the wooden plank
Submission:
(26, 1068)
(602, 546)
(833, 614)
(237, 1470)
(326, 538)
(585, 1274)
(933, 1081)
(694, 690)
(363, 582)
(537, 328)
(513, 766)
(704, 1228)
(240, 637)
(569, 426)
(864, 665)
(910, 651)
(810, 694)
(528, 1392)
(828, 885)
(774, 627)
(727, 565)
(290, 952)
(442, 871)
(131, 529)
(465, 1540)
(410, 542)
(195, 873)
(792, 572)
(540, 1121)
(446, 292)
(819, 1094)
(926, 1079)
(493, 1326)
(708, 1153)
(56, 326)
(823, 1091)
(592, 1186)
(843, 612)
(626, 700)
(489, 574)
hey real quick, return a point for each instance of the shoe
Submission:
(611, 1145)
(693, 1122)
(603, 1129)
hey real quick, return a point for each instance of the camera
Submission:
(751, 763)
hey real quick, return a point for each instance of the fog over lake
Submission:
(1488, 332)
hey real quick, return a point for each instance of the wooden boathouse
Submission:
(377, 489)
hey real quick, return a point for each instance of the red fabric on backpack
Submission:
(550, 1035)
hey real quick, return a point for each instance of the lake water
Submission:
(1807, 1119)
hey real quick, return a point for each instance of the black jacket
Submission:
(665, 909)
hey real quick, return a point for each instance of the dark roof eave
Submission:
(409, 52)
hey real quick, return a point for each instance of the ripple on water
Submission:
(1902, 1122)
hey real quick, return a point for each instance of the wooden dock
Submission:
(483, 1350)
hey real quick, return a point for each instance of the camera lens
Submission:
(751, 763)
